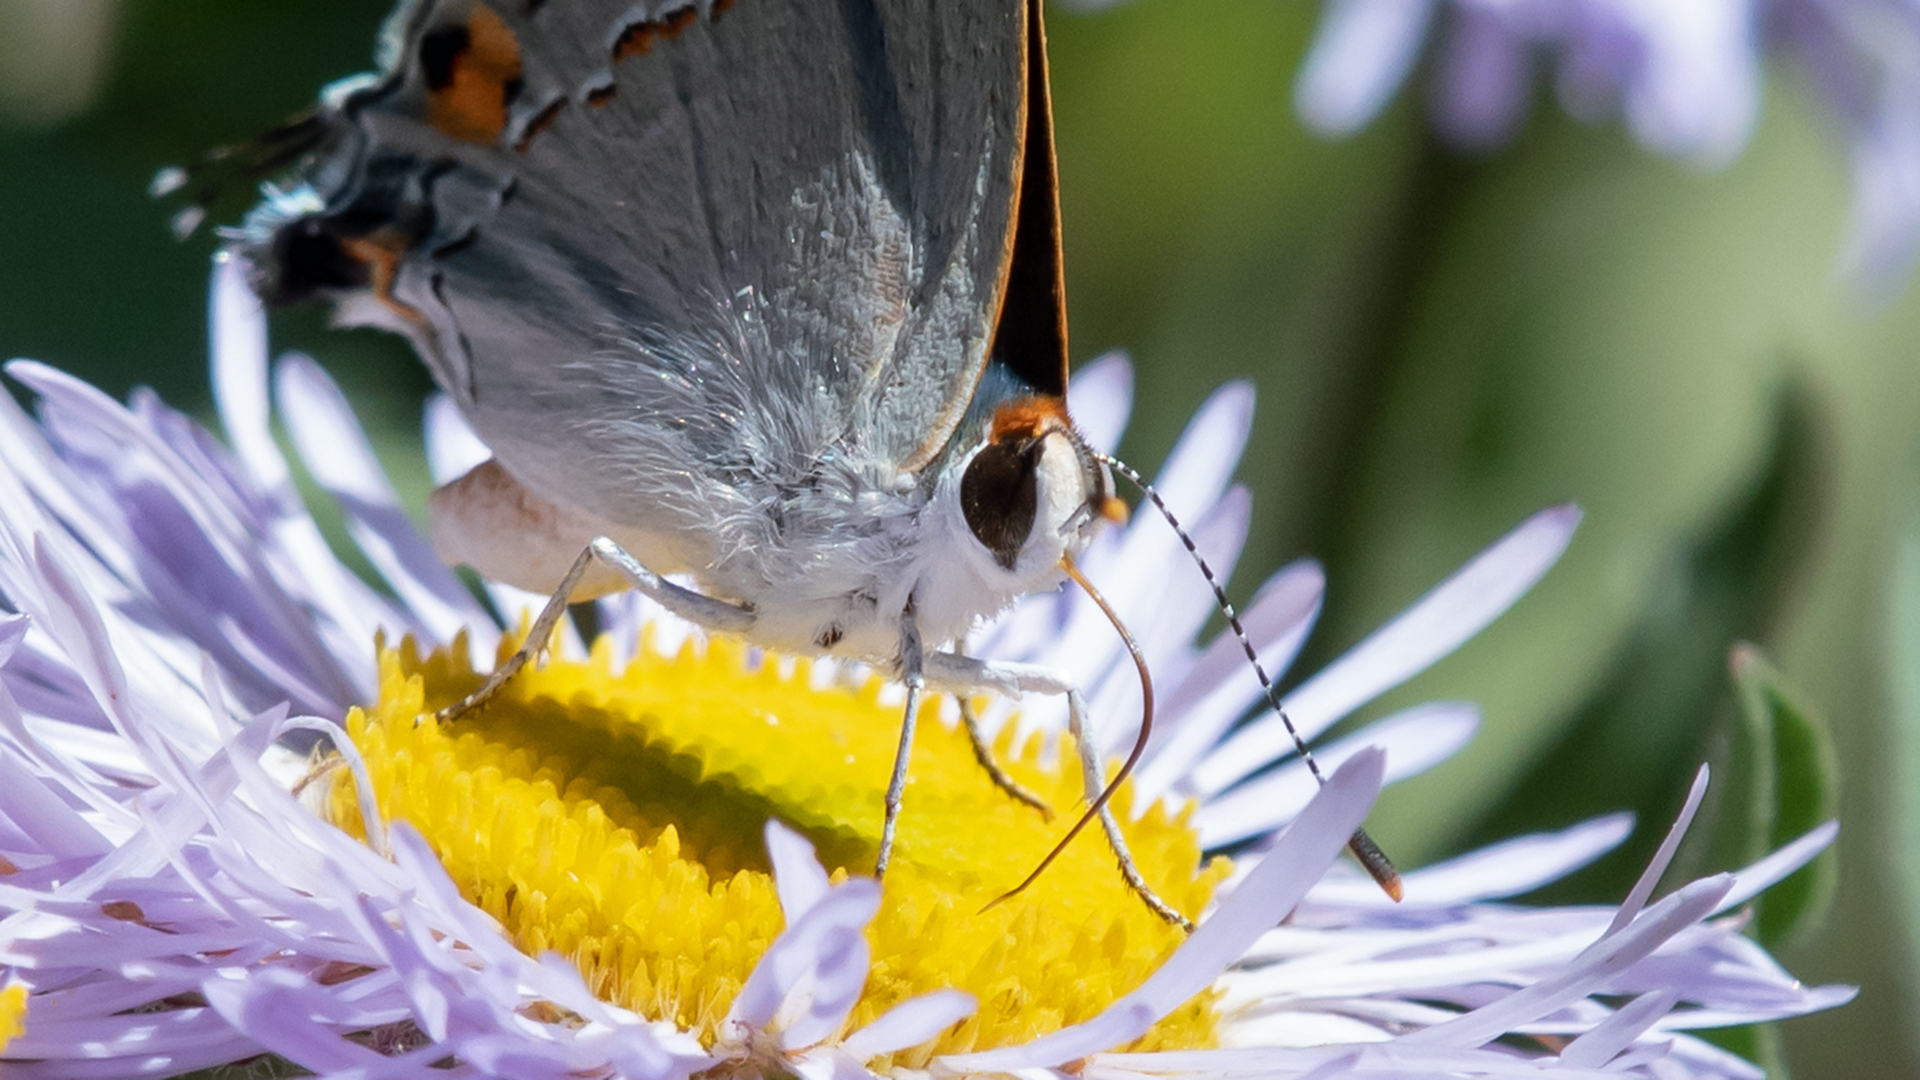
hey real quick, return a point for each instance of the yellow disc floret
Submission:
(617, 817)
(13, 1012)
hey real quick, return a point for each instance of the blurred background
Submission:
(1444, 340)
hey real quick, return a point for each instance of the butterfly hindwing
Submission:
(635, 237)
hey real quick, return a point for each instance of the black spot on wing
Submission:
(439, 52)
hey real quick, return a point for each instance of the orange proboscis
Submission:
(1126, 768)
(472, 106)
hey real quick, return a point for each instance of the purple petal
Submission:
(817, 952)
(1360, 56)
(1454, 611)
(239, 329)
(1755, 879)
(1698, 94)
(1481, 89)
(1587, 974)
(1509, 868)
(1221, 685)
(910, 1023)
(453, 448)
(1275, 886)
(1616, 1033)
(1662, 856)
(1164, 617)
(797, 874)
(335, 450)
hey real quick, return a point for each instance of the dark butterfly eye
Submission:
(999, 496)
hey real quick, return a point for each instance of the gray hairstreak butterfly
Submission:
(765, 293)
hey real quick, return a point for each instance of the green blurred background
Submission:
(1442, 345)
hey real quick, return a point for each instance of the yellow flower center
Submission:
(13, 1013)
(618, 819)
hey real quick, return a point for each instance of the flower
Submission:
(1685, 76)
(173, 905)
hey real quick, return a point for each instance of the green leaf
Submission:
(1791, 787)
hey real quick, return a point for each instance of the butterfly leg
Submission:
(692, 606)
(964, 674)
(912, 672)
(983, 753)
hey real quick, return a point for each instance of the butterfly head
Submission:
(1033, 492)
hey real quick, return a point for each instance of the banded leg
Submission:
(983, 753)
(1096, 781)
(963, 674)
(913, 674)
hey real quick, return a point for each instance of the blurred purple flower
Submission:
(1684, 74)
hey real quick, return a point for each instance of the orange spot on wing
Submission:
(638, 38)
(473, 105)
(540, 123)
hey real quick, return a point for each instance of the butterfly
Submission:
(764, 293)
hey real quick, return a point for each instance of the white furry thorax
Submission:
(846, 582)
(830, 567)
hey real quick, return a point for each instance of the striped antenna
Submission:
(1371, 858)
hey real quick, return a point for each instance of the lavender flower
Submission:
(1686, 77)
(172, 905)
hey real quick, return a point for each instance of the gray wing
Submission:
(744, 240)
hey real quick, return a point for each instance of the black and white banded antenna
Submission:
(1370, 857)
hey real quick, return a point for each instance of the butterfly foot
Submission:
(983, 753)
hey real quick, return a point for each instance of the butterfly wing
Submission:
(667, 255)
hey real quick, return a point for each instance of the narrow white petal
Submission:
(1508, 868)
(1221, 685)
(1193, 479)
(1414, 740)
(816, 950)
(453, 447)
(797, 873)
(1662, 856)
(911, 1023)
(1454, 611)
(1617, 1032)
(1760, 876)
(1585, 975)
(239, 323)
(1361, 54)
(1100, 399)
